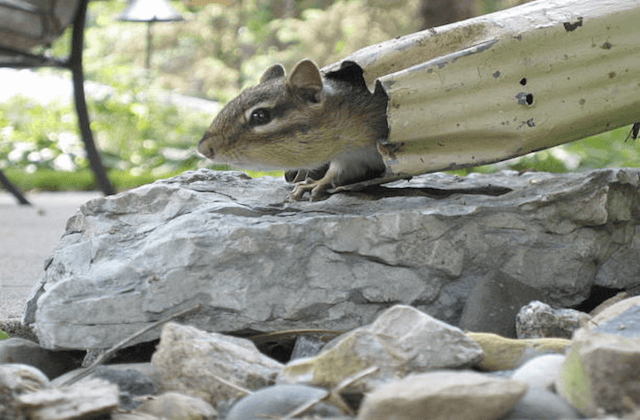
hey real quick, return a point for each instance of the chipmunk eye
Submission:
(260, 116)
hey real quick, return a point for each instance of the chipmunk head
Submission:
(285, 122)
(259, 128)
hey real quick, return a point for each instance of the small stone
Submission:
(17, 379)
(207, 365)
(88, 399)
(502, 353)
(51, 363)
(306, 346)
(542, 404)
(279, 400)
(402, 340)
(601, 372)
(144, 369)
(621, 318)
(539, 320)
(443, 395)
(131, 383)
(541, 371)
(175, 406)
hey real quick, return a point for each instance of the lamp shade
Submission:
(150, 11)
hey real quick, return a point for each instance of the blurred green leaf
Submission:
(214, 53)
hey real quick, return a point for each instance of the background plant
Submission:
(213, 54)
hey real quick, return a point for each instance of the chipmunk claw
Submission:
(318, 190)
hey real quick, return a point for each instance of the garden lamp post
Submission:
(150, 11)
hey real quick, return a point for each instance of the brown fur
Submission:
(315, 120)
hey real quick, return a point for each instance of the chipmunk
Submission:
(322, 129)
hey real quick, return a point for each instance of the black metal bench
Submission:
(25, 24)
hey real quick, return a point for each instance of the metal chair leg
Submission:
(75, 65)
(8, 185)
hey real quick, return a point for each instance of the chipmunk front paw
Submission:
(318, 190)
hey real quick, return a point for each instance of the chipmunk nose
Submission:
(205, 148)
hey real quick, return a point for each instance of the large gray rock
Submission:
(255, 262)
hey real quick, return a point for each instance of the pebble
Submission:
(541, 371)
(621, 318)
(601, 373)
(401, 340)
(539, 320)
(539, 403)
(175, 406)
(502, 353)
(279, 400)
(131, 383)
(51, 363)
(596, 378)
(213, 366)
(443, 395)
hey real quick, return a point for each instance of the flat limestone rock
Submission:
(255, 262)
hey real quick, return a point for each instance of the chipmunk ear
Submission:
(306, 77)
(272, 72)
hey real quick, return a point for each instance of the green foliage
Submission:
(80, 180)
(610, 149)
(214, 53)
(219, 49)
(3, 335)
(140, 140)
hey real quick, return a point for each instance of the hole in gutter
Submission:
(572, 26)
(525, 98)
